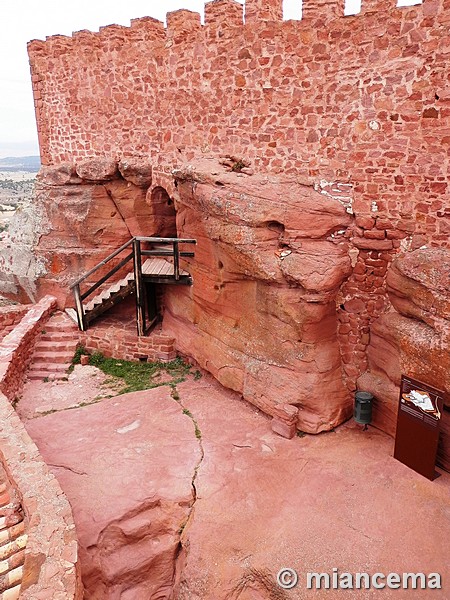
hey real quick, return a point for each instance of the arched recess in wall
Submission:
(164, 214)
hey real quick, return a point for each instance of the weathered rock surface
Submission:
(414, 338)
(261, 316)
(262, 502)
(127, 466)
(61, 174)
(137, 171)
(270, 259)
(419, 287)
(72, 225)
(97, 169)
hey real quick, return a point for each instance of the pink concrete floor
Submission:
(314, 503)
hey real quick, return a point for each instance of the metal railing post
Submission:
(140, 294)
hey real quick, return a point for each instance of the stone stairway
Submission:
(12, 541)
(54, 349)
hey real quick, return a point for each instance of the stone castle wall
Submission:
(362, 100)
(355, 109)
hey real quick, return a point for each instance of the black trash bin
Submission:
(363, 408)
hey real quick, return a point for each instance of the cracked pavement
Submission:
(162, 513)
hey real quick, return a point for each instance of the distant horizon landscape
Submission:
(27, 163)
(18, 149)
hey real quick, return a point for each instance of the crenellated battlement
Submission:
(230, 13)
(355, 99)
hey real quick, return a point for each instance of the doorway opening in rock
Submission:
(164, 214)
(164, 225)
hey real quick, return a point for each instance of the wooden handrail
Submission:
(165, 253)
(155, 240)
(100, 264)
(136, 256)
(107, 276)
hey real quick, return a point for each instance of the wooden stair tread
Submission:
(152, 267)
(160, 267)
(156, 270)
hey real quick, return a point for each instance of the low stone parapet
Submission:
(50, 564)
(16, 348)
(117, 339)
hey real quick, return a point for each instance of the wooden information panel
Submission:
(418, 423)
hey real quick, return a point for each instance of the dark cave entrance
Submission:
(164, 213)
(165, 226)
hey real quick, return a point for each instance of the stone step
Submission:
(52, 356)
(11, 579)
(50, 327)
(49, 368)
(13, 518)
(68, 345)
(47, 375)
(12, 533)
(11, 594)
(63, 336)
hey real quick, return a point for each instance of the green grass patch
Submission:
(138, 376)
(77, 357)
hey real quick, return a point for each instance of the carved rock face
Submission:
(261, 316)
(269, 262)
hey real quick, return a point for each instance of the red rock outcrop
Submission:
(271, 256)
(127, 472)
(413, 338)
(261, 502)
(261, 315)
(74, 223)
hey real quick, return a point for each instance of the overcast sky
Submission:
(24, 20)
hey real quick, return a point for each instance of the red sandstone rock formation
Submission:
(413, 338)
(75, 223)
(261, 315)
(271, 256)
(127, 466)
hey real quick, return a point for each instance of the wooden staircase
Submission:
(162, 268)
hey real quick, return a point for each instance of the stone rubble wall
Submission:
(16, 348)
(361, 100)
(51, 568)
(413, 338)
(9, 317)
(116, 340)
